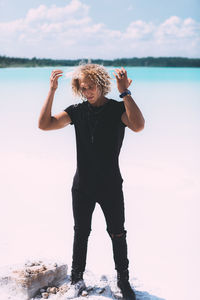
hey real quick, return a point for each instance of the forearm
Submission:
(45, 114)
(135, 117)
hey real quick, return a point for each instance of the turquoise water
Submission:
(140, 73)
(160, 167)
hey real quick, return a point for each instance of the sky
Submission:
(71, 29)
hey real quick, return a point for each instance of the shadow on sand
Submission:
(146, 296)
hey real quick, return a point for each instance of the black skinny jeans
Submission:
(112, 205)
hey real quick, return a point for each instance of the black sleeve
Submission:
(122, 109)
(71, 110)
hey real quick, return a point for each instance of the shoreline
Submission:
(168, 62)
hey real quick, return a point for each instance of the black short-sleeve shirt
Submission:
(99, 136)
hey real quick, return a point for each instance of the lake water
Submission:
(159, 165)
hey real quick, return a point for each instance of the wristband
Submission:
(126, 92)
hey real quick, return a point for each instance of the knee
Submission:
(81, 232)
(116, 236)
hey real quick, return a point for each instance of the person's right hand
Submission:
(55, 74)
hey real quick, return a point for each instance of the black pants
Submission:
(112, 205)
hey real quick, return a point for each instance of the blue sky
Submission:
(100, 29)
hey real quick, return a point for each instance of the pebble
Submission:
(100, 290)
(118, 295)
(32, 264)
(84, 293)
(90, 288)
(45, 295)
(36, 271)
(53, 290)
(63, 288)
(42, 290)
(28, 263)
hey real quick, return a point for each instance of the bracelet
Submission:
(126, 92)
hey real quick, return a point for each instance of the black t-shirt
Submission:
(99, 136)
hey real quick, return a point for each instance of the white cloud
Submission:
(69, 32)
(175, 28)
(189, 21)
(139, 30)
(55, 13)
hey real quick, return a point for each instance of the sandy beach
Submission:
(41, 279)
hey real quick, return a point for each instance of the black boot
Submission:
(76, 276)
(124, 285)
(77, 285)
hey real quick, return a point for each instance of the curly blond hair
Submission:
(93, 72)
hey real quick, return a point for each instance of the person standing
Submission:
(99, 124)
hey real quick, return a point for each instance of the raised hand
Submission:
(123, 82)
(55, 74)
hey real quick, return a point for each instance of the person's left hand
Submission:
(123, 82)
